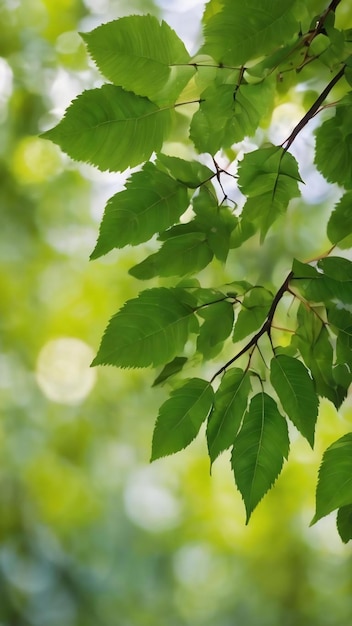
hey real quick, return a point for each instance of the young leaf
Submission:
(245, 29)
(111, 128)
(178, 256)
(151, 202)
(230, 403)
(336, 165)
(149, 330)
(344, 522)
(255, 308)
(259, 450)
(174, 367)
(334, 488)
(296, 392)
(217, 326)
(181, 417)
(136, 52)
(339, 229)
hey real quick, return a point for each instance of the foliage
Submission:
(255, 53)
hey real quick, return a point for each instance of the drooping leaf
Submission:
(255, 308)
(336, 165)
(245, 29)
(217, 326)
(344, 522)
(149, 330)
(230, 403)
(181, 417)
(339, 229)
(174, 367)
(334, 489)
(296, 392)
(259, 450)
(136, 52)
(178, 256)
(111, 128)
(151, 202)
(190, 173)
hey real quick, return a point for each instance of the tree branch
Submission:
(266, 327)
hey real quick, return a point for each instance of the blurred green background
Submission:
(90, 532)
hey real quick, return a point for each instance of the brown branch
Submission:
(266, 327)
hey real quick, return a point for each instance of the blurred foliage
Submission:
(90, 533)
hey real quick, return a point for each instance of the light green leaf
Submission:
(181, 417)
(151, 202)
(336, 165)
(218, 222)
(111, 128)
(344, 523)
(259, 450)
(149, 330)
(245, 29)
(334, 488)
(217, 326)
(296, 392)
(339, 229)
(190, 173)
(230, 403)
(255, 308)
(338, 268)
(137, 52)
(178, 256)
(174, 367)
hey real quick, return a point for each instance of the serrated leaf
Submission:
(151, 202)
(136, 52)
(339, 229)
(296, 393)
(336, 165)
(344, 523)
(111, 128)
(245, 29)
(218, 222)
(334, 489)
(217, 326)
(181, 417)
(259, 450)
(190, 173)
(255, 308)
(149, 330)
(178, 256)
(230, 403)
(174, 367)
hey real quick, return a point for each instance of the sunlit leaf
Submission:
(339, 229)
(259, 450)
(334, 488)
(149, 330)
(255, 308)
(181, 417)
(190, 173)
(230, 403)
(336, 165)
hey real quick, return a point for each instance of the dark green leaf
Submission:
(344, 523)
(111, 128)
(230, 403)
(338, 268)
(217, 326)
(259, 450)
(339, 229)
(216, 221)
(151, 202)
(170, 369)
(334, 488)
(149, 330)
(296, 392)
(336, 164)
(181, 417)
(255, 308)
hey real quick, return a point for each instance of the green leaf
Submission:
(151, 202)
(190, 173)
(255, 308)
(218, 222)
(296, 392)
(181, 417)
(137, 52)
(336, 164)
(178, 256)
(334, 488)
(226, 116)
(245, 29)
(269, 177)
(339, 229)
(174, 367)
(149, 330)
(111, 128)
(338, 268)
(217, 326)
(230, 403)
(344, 523)
(259, 450)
